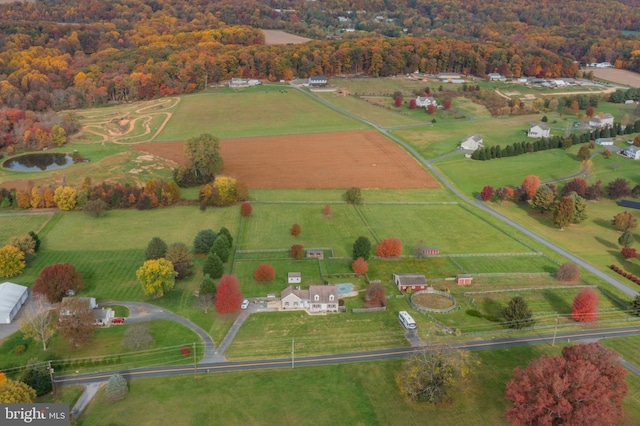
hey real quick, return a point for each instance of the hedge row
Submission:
(625, 274)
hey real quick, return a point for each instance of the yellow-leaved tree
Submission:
(11, 261)
(15, 392)
(156, 276)
(65, 197)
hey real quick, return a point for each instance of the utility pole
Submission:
(555, 331)
(53, 383)
(292, 351)
(195, 370)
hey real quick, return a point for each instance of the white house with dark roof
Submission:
(12, 297)
(317, 81)
(603, 120)
(471, 143)
(632, 152)
(294, 278)
(414, 282)
(317, 299)
(539, 130)
(425, 101)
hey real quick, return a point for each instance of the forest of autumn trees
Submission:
(73, 54)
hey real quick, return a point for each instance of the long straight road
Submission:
(429, 164)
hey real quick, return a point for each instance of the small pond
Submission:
(38, 162)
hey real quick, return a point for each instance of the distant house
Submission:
(464, 279)
(538, 131)
(428, 251)
(604, 120)
(237, 83)
(414, 282)
(494, 76)
(604, 141)
(425, 101)
(471, 143)
(632, 152)
(317, 299)
(12, 297)
(294, 278)
(315, 254)
(317, 81)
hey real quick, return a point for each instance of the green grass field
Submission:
(244, 114)
(360, 393)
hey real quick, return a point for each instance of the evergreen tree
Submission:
(116, 388)
(36, 375)
(517, 313)
(203, 241)
(207, 285)
(362, 248)
(156, 249)
(221, 248)
(626, 239)
(213, 266)
(224, 231)
(635, 305)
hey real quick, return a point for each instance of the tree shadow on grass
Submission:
(491, 307)
(556, 302)
(602, 222)
(606, 243)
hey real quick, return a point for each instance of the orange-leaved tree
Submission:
(360, 266)
(530, 185)
(264, 273)
(389, 248)
(585, 305)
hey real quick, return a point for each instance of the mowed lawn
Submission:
(15, 224)
(359, 393)
(261, 112)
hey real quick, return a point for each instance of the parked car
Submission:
(117, 320)
(245, 304)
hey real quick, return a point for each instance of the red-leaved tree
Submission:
(398, 101)
(228, 295)
(375, 295)
(431, 109)
(326, 211)
(246, 209)
(389, 248)
(55, 280)
(264, 273)
(585, 305)
(295, 230)
(360, 266)
(487, 193)
(530, 185)
(629, 253)
(447, 104)
(412, 104)
(583, 386)
(296, 251)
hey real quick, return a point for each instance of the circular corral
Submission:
(431, 300)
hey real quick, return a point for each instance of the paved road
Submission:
(244, 314)
(429, 164)
(574, 336)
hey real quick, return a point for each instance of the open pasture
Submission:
(450, 227)
(249, 113)
(14, 224)
(374, 113)
(365, 159)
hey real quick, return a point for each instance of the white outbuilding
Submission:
(12, 297)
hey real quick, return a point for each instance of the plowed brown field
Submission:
(365, 159)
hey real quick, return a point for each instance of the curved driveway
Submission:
(429, 164)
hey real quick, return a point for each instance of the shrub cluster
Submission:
(625, 274)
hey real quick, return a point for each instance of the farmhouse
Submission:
(317, 81)
(425, 101)
(317, 299)
(315, 254)
(604, 120)
(471, 143)
(449, 75)
(12, 297)
(604, 141)
(494, 76)
(294, 278)
(102, 315)
(632, 152)
(413, 282)
(538, 131)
